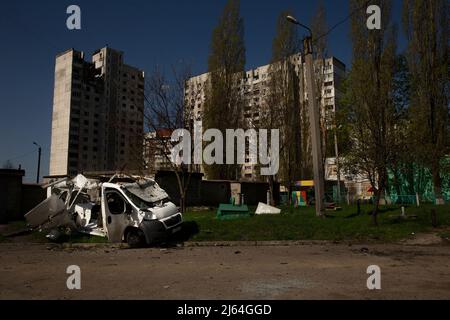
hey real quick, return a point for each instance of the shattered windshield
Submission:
(144, 194)
(141, 204)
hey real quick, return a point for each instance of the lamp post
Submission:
(314, 120)
(39, 162)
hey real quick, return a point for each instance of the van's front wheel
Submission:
(135, 238)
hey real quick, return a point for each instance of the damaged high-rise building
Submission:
(98, 113)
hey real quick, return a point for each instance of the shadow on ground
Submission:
(188, 230)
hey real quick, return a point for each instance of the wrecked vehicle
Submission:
(134, 210)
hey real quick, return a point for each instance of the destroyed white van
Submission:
(123, 209)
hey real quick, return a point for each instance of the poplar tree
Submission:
(426, 26)
(371, 114)
(224, 102)
(283, 102)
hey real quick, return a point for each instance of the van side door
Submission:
(115, 212)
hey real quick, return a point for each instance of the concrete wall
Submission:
(10, 194)
(16, 199)
(255, 192)
(213, 193)
(32, 195)
(168, 181)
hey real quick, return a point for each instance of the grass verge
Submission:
(299, 224)
(302, 224)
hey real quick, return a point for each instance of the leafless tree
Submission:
(165, 108)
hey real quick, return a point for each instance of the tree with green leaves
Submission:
(370, 109)
(319, 29)
(401, 168)
(224, 103)
(282, 109)
(426, 26)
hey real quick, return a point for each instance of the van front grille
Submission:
(173, 221)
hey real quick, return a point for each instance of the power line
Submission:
(24, 155)
(21, 156)
(342, 21)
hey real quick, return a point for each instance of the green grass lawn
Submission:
(302, 224)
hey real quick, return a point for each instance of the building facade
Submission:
(98, 114)
(157, 151)
(256, 90)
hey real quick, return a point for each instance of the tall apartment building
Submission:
(98, 106)
(157, 146)
(255, 88)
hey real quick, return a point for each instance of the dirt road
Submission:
(291, 272)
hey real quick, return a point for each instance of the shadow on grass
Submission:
(189, 229)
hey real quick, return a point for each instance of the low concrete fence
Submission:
(16, 198)
(211, 193)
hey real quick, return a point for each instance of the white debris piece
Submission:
(266, 209)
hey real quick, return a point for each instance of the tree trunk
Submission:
(397, 181)
(437, 183)
(271, 200)
(290, 194)
(183, 203)
(377, 206)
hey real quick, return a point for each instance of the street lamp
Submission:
(39, 161)
(291, 19)
(314, 120)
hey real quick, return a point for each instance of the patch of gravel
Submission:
(424, 239)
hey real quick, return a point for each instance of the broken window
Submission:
(116, 204)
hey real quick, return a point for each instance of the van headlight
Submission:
(148, 216)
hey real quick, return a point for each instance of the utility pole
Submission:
(338, 165)
(39, 162)
(314, 121)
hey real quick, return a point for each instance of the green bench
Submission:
(230, 211)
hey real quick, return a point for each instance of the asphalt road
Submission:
(326, 271)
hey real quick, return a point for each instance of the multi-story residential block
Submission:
(98, 106)
(256, 90)
(157, 151)
(333, 75)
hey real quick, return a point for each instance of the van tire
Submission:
(135, 238)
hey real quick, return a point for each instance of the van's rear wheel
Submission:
(135, 238)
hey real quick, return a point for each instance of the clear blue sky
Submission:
(150, 32)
